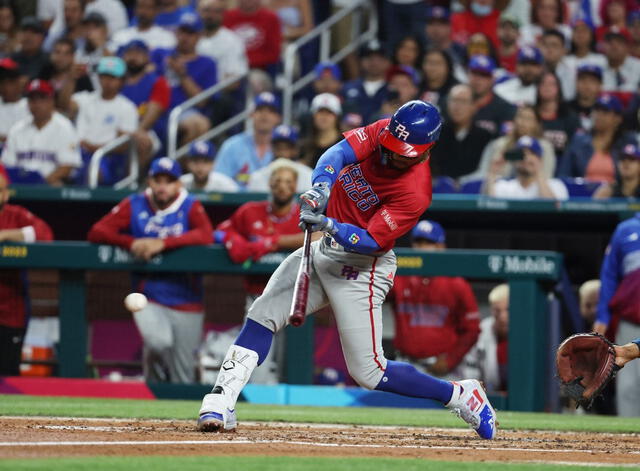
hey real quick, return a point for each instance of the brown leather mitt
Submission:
(586, 363)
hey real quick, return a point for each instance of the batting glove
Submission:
(316, 222)
(316, 198)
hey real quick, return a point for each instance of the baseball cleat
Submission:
(470, 403)
(215, 415)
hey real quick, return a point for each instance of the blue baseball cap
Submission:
(531, 143)
(284, 133)
(112, 65)
(530, 54)
(165, 166)
(190, 21)
(332, 68)
(134, 44)
(609, 102)
(482, 64)
(437, 13)
(631, 150)
(203, 149)
(429, 230)
(590, 69)
(267, 99)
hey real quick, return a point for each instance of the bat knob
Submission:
(296, 321)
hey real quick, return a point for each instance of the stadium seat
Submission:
(473, 187)
(444, 185)
(579, 187)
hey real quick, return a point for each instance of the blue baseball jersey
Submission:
(620, 273)
(181, 291)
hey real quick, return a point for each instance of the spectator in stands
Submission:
(296, 17)
(71, 26)
(508, 35)
(530, 181)
(438, 77)
(65, 75)
(261, 32)
(409, 52)
(492, 112)
(480, 17)
(589, 293)
(328, 79)
(201, 176)
(244, 153)
(402, 17)
(436, 317)
(188, 73)
(526, 122)
(145, 29)
(8, 30)
(284, 142)
(554, 52)
(594, 155)
(521, 89)
(619, 300)
(480, 44)
(169, 13)
(17, 224)
(325, 130)
(13, 106)
(622, 72)
(627, 184)
(488, 359)
(150, 93)
(366, 94)
(438, 32)
(31, 58)
(164, 217)
(219, 43)
(461, 141)
(389, 106)
(583, 45)
(261, 227)
(634, 30)
(45, 143)
(588, 89)
(613, 14)
(113, 11)
(545, 15)
(103, 115)
(405, 80)
(94, 47)
(558, 120)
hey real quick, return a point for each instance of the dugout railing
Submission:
(530, 274)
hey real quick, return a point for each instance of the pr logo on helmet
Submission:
(401, 132)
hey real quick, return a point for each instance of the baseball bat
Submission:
(301, 287)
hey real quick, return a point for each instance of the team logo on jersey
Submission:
(330, 169)
(401, 132)
(357, 188)
(349, 273)
(354, 239)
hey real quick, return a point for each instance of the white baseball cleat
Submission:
(215, 415)
(470, 403)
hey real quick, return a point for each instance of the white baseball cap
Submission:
(326, 101)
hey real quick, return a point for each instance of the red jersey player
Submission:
(437, 318)
(374, 184)
(17, 224)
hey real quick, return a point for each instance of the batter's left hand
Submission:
(316, 198)
(315, 222)
(147, 247)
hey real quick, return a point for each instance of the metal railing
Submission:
(323, 30)
(131, 180)
(174, 117)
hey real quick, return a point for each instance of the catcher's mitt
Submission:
(586, 363)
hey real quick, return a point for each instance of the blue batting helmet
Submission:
(413, 129)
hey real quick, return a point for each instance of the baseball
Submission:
(135, 302)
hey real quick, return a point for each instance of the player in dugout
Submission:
(163, 217)
(373, 185)
(17, 224)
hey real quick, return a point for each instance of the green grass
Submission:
(264, 463)
(173, 409)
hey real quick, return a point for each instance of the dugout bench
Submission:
(530, 275)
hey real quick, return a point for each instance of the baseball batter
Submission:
(374, 185)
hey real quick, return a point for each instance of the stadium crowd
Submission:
(565, 76)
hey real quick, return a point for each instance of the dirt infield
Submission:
(22, 437)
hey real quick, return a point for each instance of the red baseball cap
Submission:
(8, 64)
(616, 32)
(41, 87)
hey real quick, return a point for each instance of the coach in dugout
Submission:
(16, 225)
(437, 318)
(161, 218)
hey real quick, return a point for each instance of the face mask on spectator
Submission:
(479, 9)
